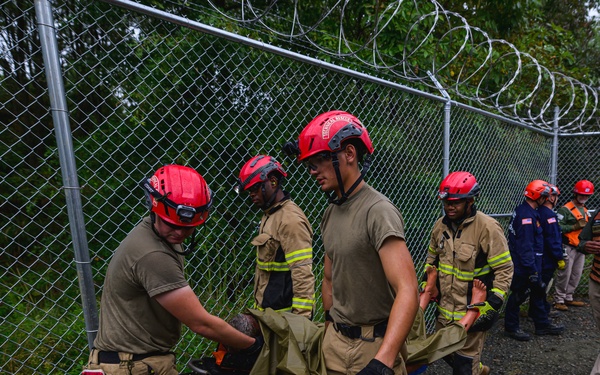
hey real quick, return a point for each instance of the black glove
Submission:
(244, 359)
(488, 313)
(375, 367)
(536, 282)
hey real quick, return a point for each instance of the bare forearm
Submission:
(216, 329)
(326, 294)
(400, 322)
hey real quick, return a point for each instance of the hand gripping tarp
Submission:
(293, 343)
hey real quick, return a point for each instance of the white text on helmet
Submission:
(331, 121)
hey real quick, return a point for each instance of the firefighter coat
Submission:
(477, 249)
(284, 280)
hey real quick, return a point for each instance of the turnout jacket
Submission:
(476, 250)
(525, 240)
(283, 279)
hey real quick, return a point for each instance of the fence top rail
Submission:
(198, 26)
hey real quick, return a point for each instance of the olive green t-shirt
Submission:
(353, 233)
(131, 320)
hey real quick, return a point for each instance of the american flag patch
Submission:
(551, 220)
(526, 221)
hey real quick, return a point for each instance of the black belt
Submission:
(355, 332)
(113, 357)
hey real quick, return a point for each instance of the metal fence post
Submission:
(554, 161)
(58, 104)
(447, 106)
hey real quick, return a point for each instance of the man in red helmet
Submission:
(283, 279)
(468, 245)
(369, 287)
(146, 297)
(573, 216)
(526, 243)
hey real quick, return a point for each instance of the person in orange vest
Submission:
(589, 243)
(572, 217)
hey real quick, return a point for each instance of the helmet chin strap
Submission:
(190, 249)
(344, 195)
(268, 203)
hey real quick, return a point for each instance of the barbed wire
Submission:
(465, 58)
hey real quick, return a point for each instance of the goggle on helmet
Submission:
(537, 189)
(257, 170)
(327, 132)
(325, 135)
(178, 195)
(458, 185)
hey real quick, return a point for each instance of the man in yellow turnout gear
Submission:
(465, 245)
(283, 279)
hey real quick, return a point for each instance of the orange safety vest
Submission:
(573, 236)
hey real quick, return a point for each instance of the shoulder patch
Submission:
(525, 221)
(551, 220)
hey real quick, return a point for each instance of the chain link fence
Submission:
(143, 92)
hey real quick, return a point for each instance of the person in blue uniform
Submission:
(526, 244)
(553, 257)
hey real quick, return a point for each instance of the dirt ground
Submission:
(572, 353)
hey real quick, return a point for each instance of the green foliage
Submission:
(143, 93)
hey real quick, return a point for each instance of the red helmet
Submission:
(537, 189)
(583, 187)
(258, 170)
(327, 131)
(179, 195)
(458, 185)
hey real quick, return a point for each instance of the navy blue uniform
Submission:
(553, 251)
(526, 245)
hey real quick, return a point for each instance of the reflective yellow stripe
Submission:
(478, 272)
(293, 257)
(482, 271)
(298, 255)
(451, 315)
(273, 266)
(432, 251)
(285, 309)
(500, 259)
(500, 292)
(304, 304)
(461, 275)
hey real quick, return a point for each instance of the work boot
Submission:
(575, 303)
(561, 307)
(518, 335)
(552, 329)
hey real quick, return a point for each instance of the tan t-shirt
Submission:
(130, 319)
(353, 233)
